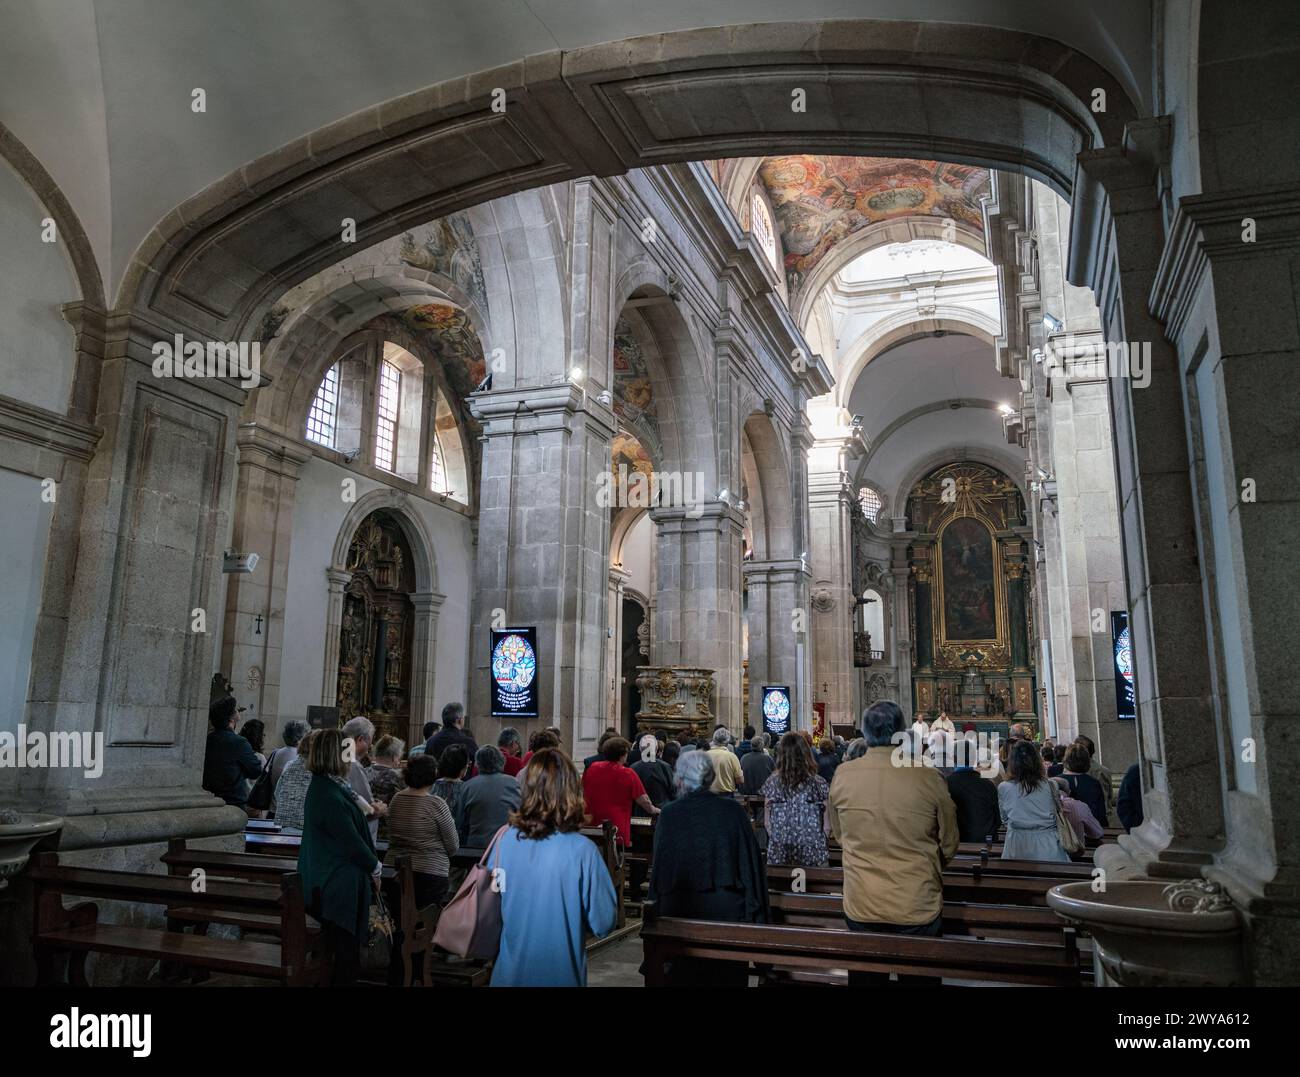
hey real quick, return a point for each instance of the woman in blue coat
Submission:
(555, 888)
(337, 860)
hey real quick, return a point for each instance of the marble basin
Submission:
(17, 839)
(1150, 933)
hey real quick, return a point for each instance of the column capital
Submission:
(338, 578)
(1208, 228)
(534, 408)
(1111, 182)
(771, 571)
(707, 517)
(427, 601)
(270, 450)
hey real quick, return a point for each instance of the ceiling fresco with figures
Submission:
(445, 246)
(634, 399)
(448, 333)
(822, 200)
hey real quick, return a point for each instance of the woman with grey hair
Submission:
(656, 775)
(706, 866)
(292, 733)
(485, 800)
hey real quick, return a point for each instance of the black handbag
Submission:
(377, 946)
(263, 791)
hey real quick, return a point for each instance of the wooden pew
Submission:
(293, 961)
(606, 839)
(438, 971)
(985, 889)
(965, 919)
(786, 953)
(418, 926)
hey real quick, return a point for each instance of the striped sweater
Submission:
(420, 825)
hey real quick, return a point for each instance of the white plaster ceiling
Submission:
(905, 395)
(100, 90)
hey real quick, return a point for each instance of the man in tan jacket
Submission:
(898, 828)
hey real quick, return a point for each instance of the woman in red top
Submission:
(543, 738)
(611, 788)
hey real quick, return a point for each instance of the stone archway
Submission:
(607, 108)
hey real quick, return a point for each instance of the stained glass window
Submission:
(322, 416)
(390, 387)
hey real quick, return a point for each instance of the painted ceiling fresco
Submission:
(447, 246)
(822, 200)
(447, 332)
(634, 401)
(628, 452)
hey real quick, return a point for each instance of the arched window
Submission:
(760, 223)
(871, 503)
(390, 392)
(323, 416)
(437, 473)
(873, 619)
(399, 413)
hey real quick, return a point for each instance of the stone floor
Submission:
(616, 965)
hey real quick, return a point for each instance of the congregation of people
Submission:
(896, 818)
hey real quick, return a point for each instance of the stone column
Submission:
(902, 628)
(776, 590)
(1179, 742)
(831, 502)
(329, 685)
(424, 654)
(1227, 289)
(543, 550)
(144, 606)
(265, 492)
(144, 591)
(614, 649)
(697, 615)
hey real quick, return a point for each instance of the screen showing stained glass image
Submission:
(514, 673)
(776, 709)
(1122, 649)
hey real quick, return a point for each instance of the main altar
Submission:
(969, 591)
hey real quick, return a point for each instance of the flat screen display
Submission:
(776, 709)
(1122, 652)
(513, 669)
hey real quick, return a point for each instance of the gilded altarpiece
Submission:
(374, 677)
(970, 609)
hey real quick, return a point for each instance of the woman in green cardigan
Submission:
(337, 859)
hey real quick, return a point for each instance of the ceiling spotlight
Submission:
(857, 422)
(1052, 325)
(725, 497)
(606, 398)
(575, 375)
(1006, 409)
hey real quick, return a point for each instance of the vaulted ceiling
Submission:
(100, 91)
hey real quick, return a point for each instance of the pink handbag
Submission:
(470, 924)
